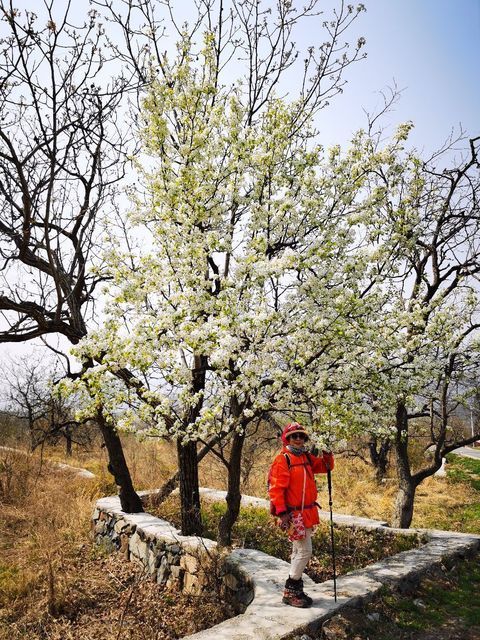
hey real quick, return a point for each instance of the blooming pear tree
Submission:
(205, 305)
(426, 222)
(264, 275)
(411, 320)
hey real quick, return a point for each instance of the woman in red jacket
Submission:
(293, 493)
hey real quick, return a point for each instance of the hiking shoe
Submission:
(304, 595)
(294, 595)
(295, 599)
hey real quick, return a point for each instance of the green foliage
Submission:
(444, 606)
(8, 574)
(14, 583)
(256, 529)
(465, 517)
(355, 548)
(464, 470)
(438, 602)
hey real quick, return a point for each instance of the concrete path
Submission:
(468, 452)
(81, 473)
(266, 618)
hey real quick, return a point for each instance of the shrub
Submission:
(256, 529)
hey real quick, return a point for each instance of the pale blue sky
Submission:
(431, 48)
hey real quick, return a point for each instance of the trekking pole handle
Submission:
(329, 483)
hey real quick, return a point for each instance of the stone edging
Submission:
(249, 570)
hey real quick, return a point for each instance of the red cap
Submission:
(292, 428)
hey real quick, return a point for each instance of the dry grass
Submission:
(107, 599)
(355, 490)
(440, 502)
(45, 521)
(443, 504)
(54, 584)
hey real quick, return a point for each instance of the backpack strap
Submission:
(298, 464)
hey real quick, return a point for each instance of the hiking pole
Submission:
(329, 482)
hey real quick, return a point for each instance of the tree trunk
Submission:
(379, 456)
(189, 492)
(165, 490)
(68, 443)
(404, 503)
(187, 455)
(234, 495)
(129, 499)
(172, 483)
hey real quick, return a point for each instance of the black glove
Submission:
(328, 459)
(284, 520)
(314, 450)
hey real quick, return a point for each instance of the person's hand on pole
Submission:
(327, 458)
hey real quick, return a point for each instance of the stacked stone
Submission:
(184, 563)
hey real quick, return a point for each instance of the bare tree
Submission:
(62, 155)
(26, 400)
(49, 418)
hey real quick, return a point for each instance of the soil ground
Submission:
(445, 606)
(105, 598)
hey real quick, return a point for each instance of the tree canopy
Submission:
(257, 274)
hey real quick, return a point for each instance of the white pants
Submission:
(301, 554)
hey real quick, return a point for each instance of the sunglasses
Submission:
(297, 436)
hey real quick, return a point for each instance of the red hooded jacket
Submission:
(292, 487)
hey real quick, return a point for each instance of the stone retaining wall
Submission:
(187, 563)
(254, 581)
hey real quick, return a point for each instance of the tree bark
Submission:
(379, 456)
(68, 445)
(189, 491)
(68, 442)
(187, 456)
(403, 510)
(129, 499)
(234, 495)
(404, 503)
(166, 489)
(172, 482)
